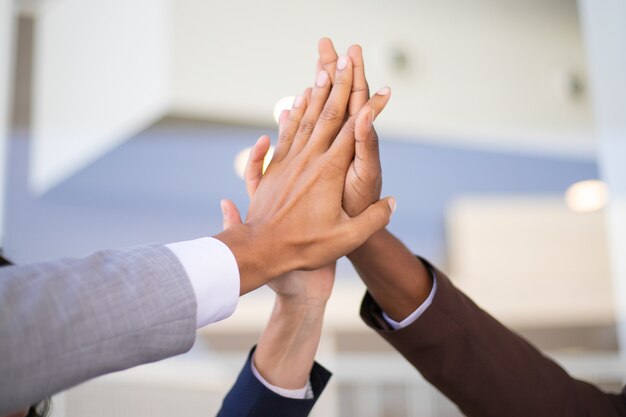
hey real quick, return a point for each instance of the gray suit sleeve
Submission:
(64, 322)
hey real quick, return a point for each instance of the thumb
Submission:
(366, 139)
(230, 213)
(374, 218)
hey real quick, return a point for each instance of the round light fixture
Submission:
(587, 196)
(242, 159)
(284, 103)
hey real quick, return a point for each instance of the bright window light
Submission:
(284, 103)
(587, 196)
(242, 159)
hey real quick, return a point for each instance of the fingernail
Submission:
(223, 206)
(322, 79)
(298, 102)
(342, 62)
(392, 204)
(384, 91)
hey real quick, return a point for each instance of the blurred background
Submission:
(504, 143)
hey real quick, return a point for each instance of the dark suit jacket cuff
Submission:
(249, 397)
(372, 314)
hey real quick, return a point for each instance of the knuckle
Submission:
(342, 82)
(374, 143)
(284, 138)
(294, 117)
(330, 113)
(350, 126)
(306, 127)
(330, 168)
(359, 90)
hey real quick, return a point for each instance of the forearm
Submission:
(485, 368)
(395, 278)
(286, 350)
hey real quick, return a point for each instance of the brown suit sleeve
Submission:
(483, 367)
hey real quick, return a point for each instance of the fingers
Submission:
(288, 125)
(282, 119)
(230, 214)
(345, 147)
(253, 172)
(316, 102)
(360, 90)
(374, 218)
(332, 116)
(327, 57)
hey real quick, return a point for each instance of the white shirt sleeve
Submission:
(417, 313)
(214, 276)
(305, 393)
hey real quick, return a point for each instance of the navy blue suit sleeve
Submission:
(250, 398)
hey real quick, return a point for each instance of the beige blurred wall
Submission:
(532, 262)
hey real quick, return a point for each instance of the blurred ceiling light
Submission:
(587, 196)
(284, 103)
(242, 159)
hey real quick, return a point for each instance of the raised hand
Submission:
(300, 287)
(285, 352)
(364, 178)
(396, 279)
(296, 219)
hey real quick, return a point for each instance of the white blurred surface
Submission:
(487, 72)
(490, 73)
(587, 196)
(531, 262)
(101, 71)
(604, 29)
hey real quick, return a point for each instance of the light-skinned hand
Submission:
(296, 219)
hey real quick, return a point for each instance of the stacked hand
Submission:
(318, 199)
(364, 180)
(327, 155)
(311, 288)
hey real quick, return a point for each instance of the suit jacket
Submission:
(250, 398)
(64, 322)
(485, 368)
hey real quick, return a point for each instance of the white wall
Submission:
(604, 29)
(486, 73)
(513, 254)
(100, 77)
(6, 61)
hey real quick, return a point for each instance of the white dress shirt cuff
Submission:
(417, 313)
(214, 275)
(305, 393)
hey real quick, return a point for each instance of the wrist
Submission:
(300, 307)
(398, 281)
(286, 350)
(253, 250)
(367, 248)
